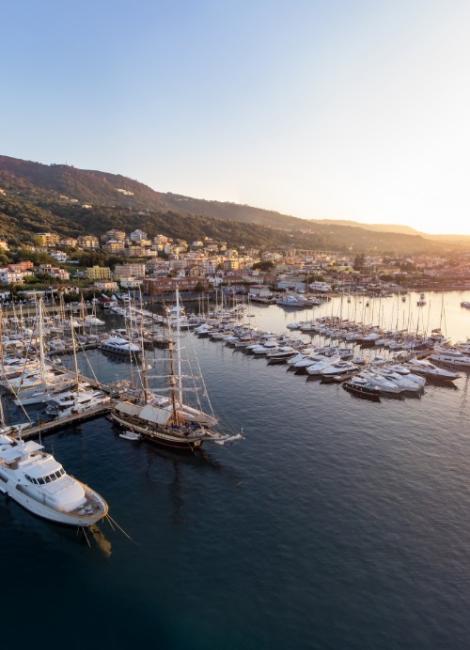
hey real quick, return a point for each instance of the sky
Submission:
(348, 109)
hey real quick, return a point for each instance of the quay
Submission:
(49, 426)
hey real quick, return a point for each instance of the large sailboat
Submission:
(168, 420)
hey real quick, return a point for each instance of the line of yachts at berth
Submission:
(349, 357)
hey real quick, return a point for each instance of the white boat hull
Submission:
(46, 512)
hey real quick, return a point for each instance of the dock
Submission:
(50, 426)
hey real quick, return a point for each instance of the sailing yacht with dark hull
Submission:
(168, 421)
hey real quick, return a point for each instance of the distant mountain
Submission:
(376, 227)
(35, 197)
(399, 229)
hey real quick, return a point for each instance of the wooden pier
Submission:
(49, 426)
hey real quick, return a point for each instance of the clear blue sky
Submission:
(348, 109)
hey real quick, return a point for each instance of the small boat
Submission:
(130, 435)
(362, 390)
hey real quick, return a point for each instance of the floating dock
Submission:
(49, 426)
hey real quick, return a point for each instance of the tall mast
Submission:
(74, 352)
(172, 380)
(1, 339)
(143, 365)
(42, 360)
(178, 347)
(2, 414)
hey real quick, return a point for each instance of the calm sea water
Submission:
(336, 524)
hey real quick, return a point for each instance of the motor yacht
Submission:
(120, 346)
(387, 387)
(280, 354)
(338, 368)
(35, 480)
(451, 358)
(294, 301)
(431, 372)
(362, 387)
(316, 368)
(76, 401)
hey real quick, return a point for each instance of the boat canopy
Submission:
(149, 412)
(155, 414)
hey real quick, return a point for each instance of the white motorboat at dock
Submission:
(34, 479)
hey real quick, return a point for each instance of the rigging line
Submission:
(209, 401)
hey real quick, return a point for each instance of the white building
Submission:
(138, 235)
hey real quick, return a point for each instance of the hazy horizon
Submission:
(352, 111)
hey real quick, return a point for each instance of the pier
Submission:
(49, 426)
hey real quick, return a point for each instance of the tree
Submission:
(359, 261)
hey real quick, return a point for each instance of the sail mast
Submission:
(42, 360)
(178, 348)
(143, 365)
(74, 352)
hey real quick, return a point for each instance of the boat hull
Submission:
(157, 437)
(46, 512)
(362, 392)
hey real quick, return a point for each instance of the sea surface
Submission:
(336, 524)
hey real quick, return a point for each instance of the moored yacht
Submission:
(120, 346)
(35, 480)
(451, 358)
(76, 401)
(168, 421)
(431, 372)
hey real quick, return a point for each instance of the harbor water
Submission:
(335, 524)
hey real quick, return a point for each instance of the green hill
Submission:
(35, 197)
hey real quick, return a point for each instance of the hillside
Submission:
(376, 227)
(36, 197)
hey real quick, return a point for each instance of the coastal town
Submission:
(119, 261)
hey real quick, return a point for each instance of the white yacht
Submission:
(11, 367)
(280, 354)
(385, 385)
(298, 357)
(404, 370)
(430, 371)
(39, 387)
(451, 358)
(308, 360)
(76, 401)
(403, 381)
(317, 367)
(120, 346)
(262, 349)
(294, 301)
(338, 368)
(35, 480)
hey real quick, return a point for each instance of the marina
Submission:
(296, 432)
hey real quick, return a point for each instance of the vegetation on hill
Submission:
(36, 198)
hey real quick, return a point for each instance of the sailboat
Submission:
(168, 421)
(36, 386)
